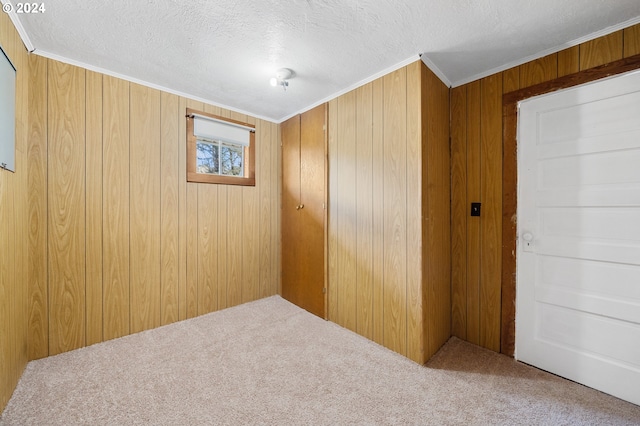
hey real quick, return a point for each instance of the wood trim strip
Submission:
(510, 185)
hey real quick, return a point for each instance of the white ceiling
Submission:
(225, 51)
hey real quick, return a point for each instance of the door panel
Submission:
(312, 197)
(578, 279)
(291, 226)
(303, 214)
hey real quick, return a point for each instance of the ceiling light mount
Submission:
(282, 78)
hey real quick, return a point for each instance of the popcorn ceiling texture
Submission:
(225, 51)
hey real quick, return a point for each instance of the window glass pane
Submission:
(231, 159)
(207, 158)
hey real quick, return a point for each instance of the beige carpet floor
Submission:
(269, 362)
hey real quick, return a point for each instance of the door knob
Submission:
(298, 207)
(528, 241)
(301, 206)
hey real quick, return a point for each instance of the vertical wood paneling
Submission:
(115, 226)
(144, 181)
(223, 232)
(207, 248)
(250, 237)
(491, 224)
(37, 190)
(511, 79)
(631, 38)
(234, 243)
(417, 333)
(364, 210)
(436, 211)
(15, 244)
(485, 172)
(601, 50)
(473, 223)
(21, 208)
(568, 61)
(192, 236)
(116, 236)
(169, 208)
(182, 210)
(332, 225)
(459, 212)
(377, 153)
(94, 207)
(66, 189)
(346, 203)
(539, 70)
(395, 204)
(276, 203)
(263, 174)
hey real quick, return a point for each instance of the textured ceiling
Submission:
(225, 51)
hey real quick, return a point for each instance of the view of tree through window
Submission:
(218, 158)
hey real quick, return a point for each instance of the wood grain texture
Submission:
(138, 220)
(94, 207)
(14, 227)
(459, 212)
(332, 225)
(223, 232)
(38, 296)
(304, 180)
(631, 40)
(66, 193)
(364, 210)
(539, 70)
(417, 331)
(220, 248)
(509, 206)
(115, 231)
(491, 224)
(192, 238)
(346, 201)
(474, 177)
(250, 234)
(601, 50)
(312, 214)
(436, 196)
(169, 207)
(207, 248)
(20, 208)
(267, 260)
(510, 79)
(144, 182)
(395, 202)
(276, 203)
(182, 209)
(290, 201)
(251, 245)
(377, 205)
(568, 62)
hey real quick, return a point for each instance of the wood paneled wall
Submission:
(119, 241)
(476, 175)
(13, 228)
(389, 211)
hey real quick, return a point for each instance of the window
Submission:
(219, 150)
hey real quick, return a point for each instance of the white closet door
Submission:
(578, 279)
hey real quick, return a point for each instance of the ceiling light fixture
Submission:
(281, 78)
